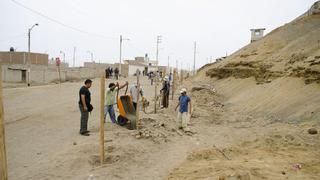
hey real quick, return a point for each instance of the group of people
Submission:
(110, 100)
(110, 73)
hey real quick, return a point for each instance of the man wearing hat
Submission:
(165, 92)
(185, 105)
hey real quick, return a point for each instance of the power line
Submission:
(12, 37)
(60, 23)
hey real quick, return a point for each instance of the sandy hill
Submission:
(292, 50)
(265, 100)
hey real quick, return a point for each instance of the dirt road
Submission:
(42, 125)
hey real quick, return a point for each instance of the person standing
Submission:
(134, 94)
(110, 100)
(116, 73)
(85, 107)
(165, 93)
(183, 115)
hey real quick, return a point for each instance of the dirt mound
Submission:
(289, 51)
(275, 157)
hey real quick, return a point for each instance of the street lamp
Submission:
(121, 39)
(64, 56)
(29, 58)
(91, 54)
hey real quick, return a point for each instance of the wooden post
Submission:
(138, 109)
(59, 74)
(155, 93)
(181, 76)
(173, 83)
(102, 89)
(3, 156)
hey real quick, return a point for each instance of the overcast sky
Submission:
(218, 26)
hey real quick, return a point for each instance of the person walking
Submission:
(134, 94)
(184, 111)
(165, 93)
(110, 100)
(85, 107)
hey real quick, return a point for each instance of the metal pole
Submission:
(74, 56)
(120, 54)
(194, 57)
(157, 53)
(28, 62)
(168, 65)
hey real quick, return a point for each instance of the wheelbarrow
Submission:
(127, 112)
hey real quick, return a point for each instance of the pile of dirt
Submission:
(292, 50)
(281, 156)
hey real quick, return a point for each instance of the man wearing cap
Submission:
(165, 92)
(184, 103)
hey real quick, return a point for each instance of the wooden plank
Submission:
(138, 103)
(3, 155)
(102, 90)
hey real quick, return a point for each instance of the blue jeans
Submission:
(109, 109)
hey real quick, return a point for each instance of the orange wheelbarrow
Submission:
(126, 110)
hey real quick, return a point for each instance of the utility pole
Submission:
(157, 54)
(91, 54)
(194, 58)
(29, 57)
(120, 58)
(168, 65)
(64, 56)
(120, 54)
(74, 56)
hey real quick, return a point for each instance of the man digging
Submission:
(110, 100)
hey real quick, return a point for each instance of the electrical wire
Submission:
(13, 37)
(59, 22)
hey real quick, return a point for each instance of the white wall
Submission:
(133, 69)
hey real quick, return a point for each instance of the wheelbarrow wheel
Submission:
(133, 124)
(122, 120)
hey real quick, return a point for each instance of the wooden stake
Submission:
(155, 94)
(59, 74)
(102, 89)
(173, 83)
(3, 156)
(181, 76)
(138, 109)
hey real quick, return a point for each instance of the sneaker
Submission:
(85, 134)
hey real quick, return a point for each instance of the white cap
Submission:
(183, 90)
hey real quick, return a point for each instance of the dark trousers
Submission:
(83, 119)
(165, 100)
(135, 105)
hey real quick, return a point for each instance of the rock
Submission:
(138, 136)
(283, 173)
(312, 131)
(74, 143)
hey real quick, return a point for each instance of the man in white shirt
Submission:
(134, 94)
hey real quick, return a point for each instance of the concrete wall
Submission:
(22, 58)
(43, 74)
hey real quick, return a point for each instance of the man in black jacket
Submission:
(85, 107)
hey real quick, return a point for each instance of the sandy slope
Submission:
(269, 91)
